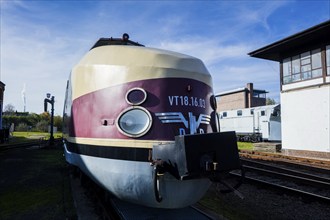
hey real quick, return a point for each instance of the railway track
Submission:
(21, 145)
(107, 207)
(40, 143)
(309, 184)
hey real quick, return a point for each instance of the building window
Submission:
(304, 66)
(263, 113)
(239, 112)
(328, 59)
(259, 94)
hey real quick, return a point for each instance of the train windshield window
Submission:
(276, 113)
(239, 112)
(224, 114)
(252, 111)
(263, 113)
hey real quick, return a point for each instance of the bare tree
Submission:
(9, 108)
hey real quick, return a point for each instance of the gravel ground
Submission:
(84, 206)
(263, 203)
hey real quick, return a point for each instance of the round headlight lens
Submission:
(134, 122)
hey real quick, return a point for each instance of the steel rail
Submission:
(6, 147)
(291, 171)
(293, 175)
(321, 182)
(285, 188)
(19, 145)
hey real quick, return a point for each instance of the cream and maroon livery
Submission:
(173, 92)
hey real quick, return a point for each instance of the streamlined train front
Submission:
(141, 123)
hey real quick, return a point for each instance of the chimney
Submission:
(249, 86)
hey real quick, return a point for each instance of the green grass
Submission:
(32, 135)
(23, 136)
(39, 190)
(17, 201)
(245, 146)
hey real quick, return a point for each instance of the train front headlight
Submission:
(134, 122)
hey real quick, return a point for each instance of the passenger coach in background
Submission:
(256, 124)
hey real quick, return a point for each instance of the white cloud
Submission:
(208, 50)
(42, 40)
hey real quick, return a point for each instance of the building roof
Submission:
(231, 91)
(240, 90)
(2, 85)
(309, 37)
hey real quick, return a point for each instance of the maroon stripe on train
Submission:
(89, 112)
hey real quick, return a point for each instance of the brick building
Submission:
(245, 97)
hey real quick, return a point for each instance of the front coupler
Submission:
(197, 156)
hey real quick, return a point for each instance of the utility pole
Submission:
(50, 100)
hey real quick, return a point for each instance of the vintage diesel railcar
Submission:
(141, 123)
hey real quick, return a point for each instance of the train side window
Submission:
(263, 113)
(224, 114)
(239, 112)
(252, 111)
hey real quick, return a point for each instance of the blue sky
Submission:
(42, 40)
